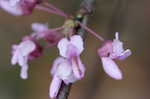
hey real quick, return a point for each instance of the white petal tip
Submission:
(24, 77)
(53, 95)
(117, 77)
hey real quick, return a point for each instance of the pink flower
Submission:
(69, 67)
(23, 52)
(71, 49)
(113, 50)
(52, 36)
(62, 70)
(18, 7)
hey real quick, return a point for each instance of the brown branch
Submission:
(85, 9)
(64, 91)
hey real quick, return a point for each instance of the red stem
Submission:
(39, 7)
(91, 31)
(55, 8)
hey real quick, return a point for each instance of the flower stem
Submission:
(42, 8)
(91, 31)
(55, 8)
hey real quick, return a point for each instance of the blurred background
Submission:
(129, 17)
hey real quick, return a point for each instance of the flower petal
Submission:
(125, 54)
(78, 68)
(106, 49)
(24, 72)
(64, 70)
(22, 60)
(54, 87)
(111, 68)
(38, 27)
(56, 63)
(72, 51)
(11, 8)
(70, 79)
(77, 41)
(81, 67)
(26, 47)
(62, 46)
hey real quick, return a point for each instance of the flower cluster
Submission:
(30, 48)
(67, 67)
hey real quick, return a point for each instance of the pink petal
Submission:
(72, 51)
(125, 54)
(54, 87)
(56, 63)
(14, 9)
(77, 41)
(64, 70)
(71, 79)
(111, 68)
(106, 49)
(22, 60)
(26, 47)
(117, 47)
(78, 68)
(63, 46)
(81, 67)
(38, 27)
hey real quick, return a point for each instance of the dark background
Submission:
(129, 17)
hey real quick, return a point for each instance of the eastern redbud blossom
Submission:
(18, 7)
(71, 49)
(61, 71)
(51, 36)
(23, 52)
(113, 50)
(69, 67)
